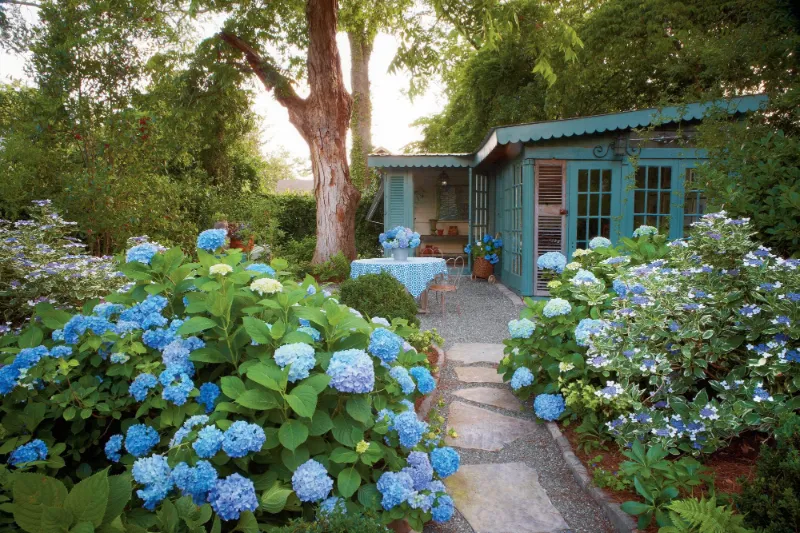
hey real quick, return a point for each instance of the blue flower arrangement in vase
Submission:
(399, 240)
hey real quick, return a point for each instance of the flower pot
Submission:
(400, 254)
(481, 268)
(238, 243)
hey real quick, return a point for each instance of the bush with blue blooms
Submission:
(599, 242)
(521, 329)
(632, 359)
(219, 389)
(554, 261)
(399, 237)
(488, 248)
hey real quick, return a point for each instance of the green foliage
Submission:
(337, 268)
(422, 340)
(240, 318)
(335, 523)
(703, 516)
(608, 480)
(770, 501)
(380, 295)
(766, 150)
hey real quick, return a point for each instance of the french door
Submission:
(594, 202)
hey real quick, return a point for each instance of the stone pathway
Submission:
(513, 478)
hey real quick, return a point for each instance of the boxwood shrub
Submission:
(380, 295)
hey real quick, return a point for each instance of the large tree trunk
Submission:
(361, 120)
(322, 119)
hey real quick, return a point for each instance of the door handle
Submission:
(562, 211)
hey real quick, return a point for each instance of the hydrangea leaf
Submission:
(257, 329)
(88, 499)
(348, 482)
(369, 497)
(302, 400)
(274, 500)
(232, 386)
(119, 493)
(321, 423)
(318, 382)
(343, 455)
(270, 376)
(258, 399)
(292, 434)
(54, 519)
(292, 459)
(196, 324)
(358, 407)
(37, 489)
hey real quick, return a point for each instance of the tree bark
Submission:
(361, 120)
(322, 119)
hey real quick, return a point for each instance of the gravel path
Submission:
(485, 311)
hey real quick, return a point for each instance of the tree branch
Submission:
(21, 3)
(271, 77)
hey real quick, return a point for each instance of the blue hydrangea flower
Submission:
(555, 261)
(300, 356)
(311, 482)
(556, 307)
(261, 268)
(176, 357)
(443, 509)
(421, 501)
(312, 332)
(402, 377)
(113, 447)
(436, 486)
(209, 392)
(158, 339)
(242, 438)
(586, 328)
(35, 450)
(332, 505)
(583, 277)
(195, 481)
(59, 352)
(142, 253)
(620, 288)
(154, 473)
(211, 239)
(425, 382)
(9, 375)
(420, 469)
(385, 345)
(107, 310)
(599, 242)
(521, 329)
(409, 428)
(445, 461)
(140, 439)
(351, 371)
(522, 377)
(395, 487)
(548, 406)
(645, 230)
(178, 391)
(186, 428)
(233, 495)
(141, 386)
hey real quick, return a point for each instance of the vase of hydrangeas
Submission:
(399, 241)
(485, 254)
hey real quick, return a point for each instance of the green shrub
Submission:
(337, 268)
(380, 295)
(195, 349)
(422, 340)
(40, 259)
(702, 516)
(335, 523)
(771, 501)
(298, 253)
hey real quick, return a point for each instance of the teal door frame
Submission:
(515, 230)
(572, 199)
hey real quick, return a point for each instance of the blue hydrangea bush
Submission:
(222, 392)
(687, 351)
(41, 260)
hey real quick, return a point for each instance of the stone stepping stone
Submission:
(502, 398)
(481, 429)
(503, 498)
(470, 353)
(478, 374)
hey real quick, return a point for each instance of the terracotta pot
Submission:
(238, 243)
(399, 526)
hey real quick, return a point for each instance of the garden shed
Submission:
(553, 185)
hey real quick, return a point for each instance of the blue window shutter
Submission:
(395, 202)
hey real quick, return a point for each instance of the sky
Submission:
(392, 111)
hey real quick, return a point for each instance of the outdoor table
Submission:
(415, 273)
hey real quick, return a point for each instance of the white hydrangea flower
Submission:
(266, 286)
(221, 269)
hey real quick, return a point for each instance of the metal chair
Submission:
(449, 282)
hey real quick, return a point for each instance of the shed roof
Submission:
(555, 129)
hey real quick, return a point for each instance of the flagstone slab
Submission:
(476, 352)
(502, 398)
(481, 429)
(503, 498)
(478, 374)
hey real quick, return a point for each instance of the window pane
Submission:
(605, 227)
(640, 172)
(652, 177)
(595, 181)
(666, 177)
(638, 202)
(594, 205)
(594, 228)
(606, 180)
(606, 205)
(583, 177)
(664, 207)
(652, 202)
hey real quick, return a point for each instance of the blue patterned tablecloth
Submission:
(415, 273)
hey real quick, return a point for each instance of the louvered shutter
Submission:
(395, 202)
(549, 200)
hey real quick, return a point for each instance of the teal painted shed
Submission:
(554, 185)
